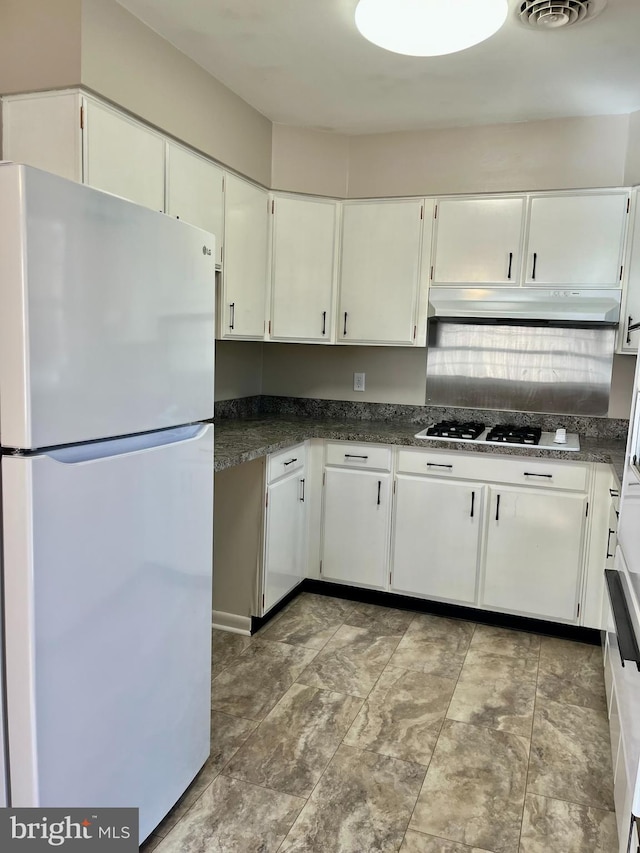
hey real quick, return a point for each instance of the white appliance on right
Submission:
(106, 522)
(621, 625)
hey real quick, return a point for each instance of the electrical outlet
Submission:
(358, 381)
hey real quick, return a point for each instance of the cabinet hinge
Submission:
(435, 212)
(415, 329)
(223, 183)
(394, 487)
(269, 326)
(273, 206)
(587, 510)
(82, 118)
(320, 566)
(621, 268)
(389, 578)
(266, 499)
(578, 613)
(431, 274)
(323, 477)
(263, 600)
(421, 211)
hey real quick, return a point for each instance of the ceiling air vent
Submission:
(552, 14)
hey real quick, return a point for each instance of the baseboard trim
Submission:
(454, 611)
(231, 622)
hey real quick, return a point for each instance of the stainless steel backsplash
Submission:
(520, 367)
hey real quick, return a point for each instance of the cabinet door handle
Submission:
(546, 476)
(473, 500)
(614, 493)
(345, 324)
(438, 465)
(324, 322)
(354, 456)
(609, 542)
(510, 263)
(232, 315)
(533, 271)
(289, 462)
(302, 485)
(631, 327)
(498, 508)
(379, 487)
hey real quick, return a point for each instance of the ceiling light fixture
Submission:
(429, 27)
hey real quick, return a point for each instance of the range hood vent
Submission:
(525, 305)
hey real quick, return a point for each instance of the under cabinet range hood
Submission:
(522, 349)
(562, 307)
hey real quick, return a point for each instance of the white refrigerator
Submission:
(106, 398)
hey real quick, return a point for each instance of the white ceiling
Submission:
(302, 62)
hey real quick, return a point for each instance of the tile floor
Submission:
(350, 728)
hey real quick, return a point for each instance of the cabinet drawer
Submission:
(285, 462)
(494, 469)
(351, 455)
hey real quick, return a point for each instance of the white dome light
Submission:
(429, 27)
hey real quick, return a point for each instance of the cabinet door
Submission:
(356, 527)
(285, 538)
(380, 269)
(194, 192)
(302, 273)
(478, 241)
(436, 536)
(244, 276)
(631, 312)
(44, 131)
(123, 157)
(534, 552)
(576, 240)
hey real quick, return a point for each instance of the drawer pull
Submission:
(437, 465)
(547, 476)
(498, 508)
(609, 542)
(379, 487)
(627, 643)
(289, 462)
(533, 271)
(510, 263)
(473, 500)
(354, 456)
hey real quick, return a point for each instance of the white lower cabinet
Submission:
(357, 516)
(285, 537)
(534, 552)
(436, 538)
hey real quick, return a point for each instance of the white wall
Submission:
(309, 161)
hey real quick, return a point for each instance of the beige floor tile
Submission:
(571, 755)
(294, 743)
(225, 649)
(416, 842)
(572, 672)
(474, 789)
(403, 715)
(351, 662)
(554, 825)
(381, 620)
(309, 620)
(234, 817)
(502, 641)
(362, 804)
(435, 645)
(252, 685)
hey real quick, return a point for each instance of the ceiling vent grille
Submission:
(553, 14)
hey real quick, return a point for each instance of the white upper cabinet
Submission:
(44, 131)
(241, 307)
(122, 156)
(303, 265)
(576, 240)
(384, 265)
(629, 337)
(195, 192)
(477, 241)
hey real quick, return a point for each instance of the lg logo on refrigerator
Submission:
(206, 250)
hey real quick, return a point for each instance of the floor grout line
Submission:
(533, 722)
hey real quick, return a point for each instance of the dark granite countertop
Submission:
(242, 440)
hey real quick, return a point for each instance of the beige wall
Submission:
(39, 44)
(622, 386)
(238, 369)
(540, 155)
(125, 61)
(632, 166)
(309, 161)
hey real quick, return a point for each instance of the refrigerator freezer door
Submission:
(106, 314)
(107, 560)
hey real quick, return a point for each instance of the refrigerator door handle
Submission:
(133, 444)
